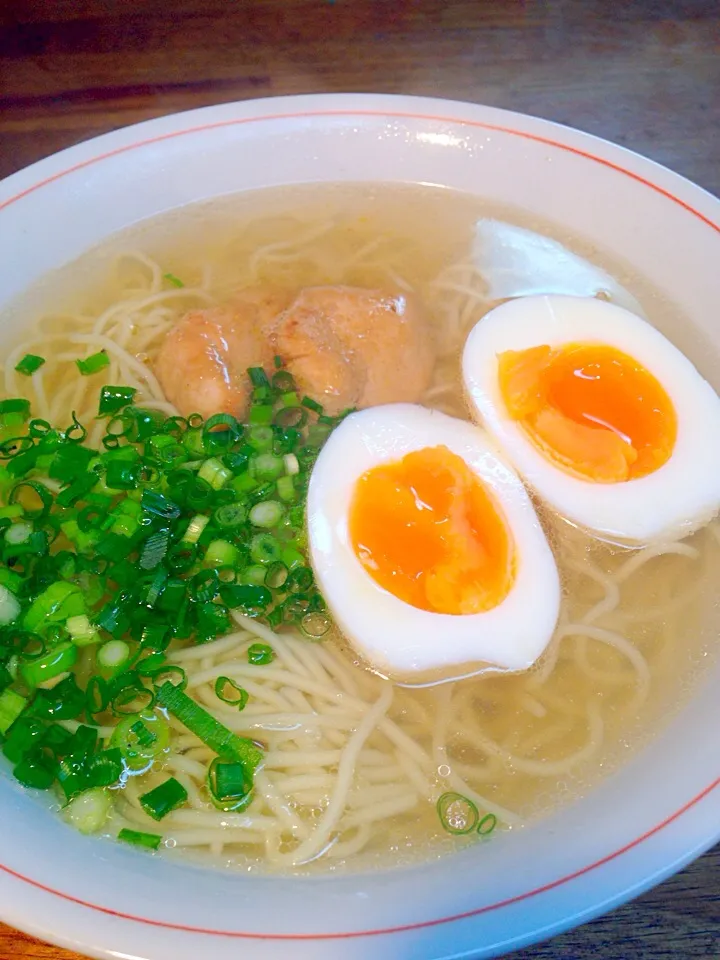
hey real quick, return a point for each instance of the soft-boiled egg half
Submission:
(427, 547)
(605, 419)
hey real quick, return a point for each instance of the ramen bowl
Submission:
(653, 815)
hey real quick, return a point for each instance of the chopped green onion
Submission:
(9, 606)
(141, 738)
(230, 515)
(248, 596)
(154, 549)
(487, 825)
(114, 398)
(276, 575)
(88, 811)
(113, 655)
(220, 553)
(254, 574)
(261, 437)
(11, 706)
(229, 786)
(261, 414)
(214, 473)
(53, 664)
(312, 405)
(156, 636)
(286, 488)
(59, 602)
(15, 405)
(315, 625)
(301, 577)
(132, 700)
(145, 737)
(212, 733)
(162, 533)
(18, 533)
(171, 278)
(159, 505)
(283, 382)
(292, 467)
(65, 701)
(258, 377)
(150, 841)
(39, 495)
(29, 364)
(290, 419)
(77, 490)
(458, 815)
(195, 528)
(260, 654)
(82, 632)
(266, 466)
(265, 548)
(122, 474)
(161, 801)
(169, 673)
(34, 772)
(230, 692)
(93, 364)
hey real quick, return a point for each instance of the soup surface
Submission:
(353, 765)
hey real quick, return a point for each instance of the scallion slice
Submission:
(88, 811)
(487, 825)
(231, 693)
(82, 632)
(312, 405)
(113, 655)
(229, 786)
(9, 606)
(141, 738)
(151, 841)
(260, 654)
(55, 662)
(114, 398)
(264, 548)
(93, 364)
(195, 528)
(206, 728)
(458, 815)
(165, 798)
(213, 472)
(11, 706)
(220, 553)
(29, 364)
(315, 625)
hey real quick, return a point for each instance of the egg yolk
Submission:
(427, 530)
(590, 409)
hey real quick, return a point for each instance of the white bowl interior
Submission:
(656, 222)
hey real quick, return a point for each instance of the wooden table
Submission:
(644, 73)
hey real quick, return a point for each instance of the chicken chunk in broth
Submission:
(345, 347)
(202, 361)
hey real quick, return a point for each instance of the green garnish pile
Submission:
(110, 555)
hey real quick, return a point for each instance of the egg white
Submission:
(400, 640)
(674, 500)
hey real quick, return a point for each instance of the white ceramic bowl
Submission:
(650, 819)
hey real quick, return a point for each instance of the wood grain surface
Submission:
(644, 73)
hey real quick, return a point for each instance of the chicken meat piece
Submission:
(202, 363)
(352, 347)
